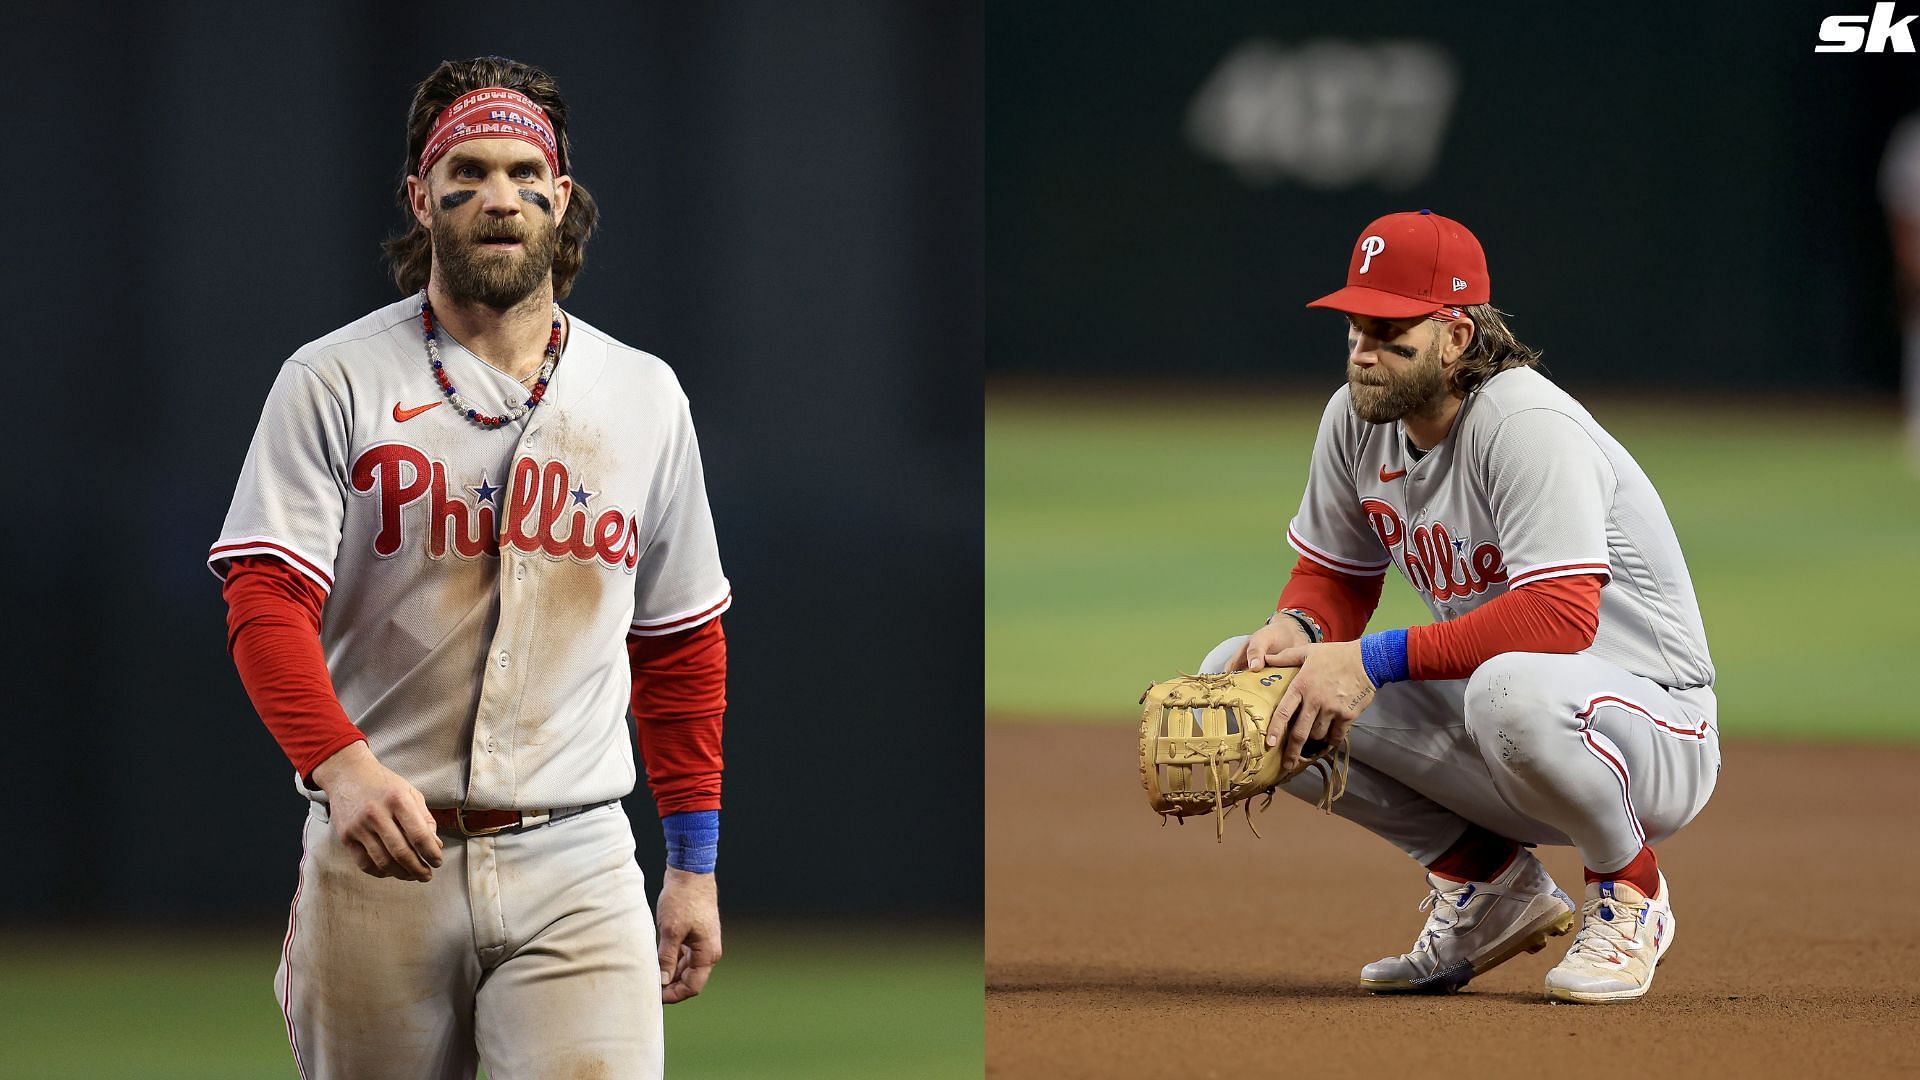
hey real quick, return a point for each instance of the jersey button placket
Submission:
(504, 686)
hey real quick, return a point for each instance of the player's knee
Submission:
(1510, 705)
(1222, 654)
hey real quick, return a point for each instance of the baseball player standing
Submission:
(471, 532)
(1563, 694)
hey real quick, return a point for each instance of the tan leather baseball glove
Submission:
(1203, 746)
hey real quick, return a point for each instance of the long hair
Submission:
(1493, 350)
(410, 254)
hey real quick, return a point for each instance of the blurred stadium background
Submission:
(1703, 250)
(792, 217)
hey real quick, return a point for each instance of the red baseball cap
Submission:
(1412, 264)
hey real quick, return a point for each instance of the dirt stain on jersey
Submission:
(580, 617)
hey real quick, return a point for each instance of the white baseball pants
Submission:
(530, 952)
(1541, 748)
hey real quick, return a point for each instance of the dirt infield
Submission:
(1117, 948)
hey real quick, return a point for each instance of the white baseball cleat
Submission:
(1473, 927)
(1623, 934)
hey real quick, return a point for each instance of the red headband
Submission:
(492, 112)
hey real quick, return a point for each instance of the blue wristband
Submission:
(693, 840)
(1384, 655)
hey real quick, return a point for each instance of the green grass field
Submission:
(1121, 544)
(799, 1003)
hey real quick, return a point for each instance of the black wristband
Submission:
(1306, 622)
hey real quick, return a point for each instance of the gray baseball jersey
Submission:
(481, 583)
(1527, 487)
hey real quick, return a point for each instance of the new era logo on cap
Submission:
(1412, 264)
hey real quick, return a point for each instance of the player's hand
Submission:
(1267, 643)
(380, 817)
(688, 916)
(1322, 702)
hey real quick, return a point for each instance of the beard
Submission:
(473, 272)
(1390, 396)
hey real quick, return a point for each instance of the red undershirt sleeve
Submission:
(273, 635)
(1557, 615)
(679, 700)
(1340, 603)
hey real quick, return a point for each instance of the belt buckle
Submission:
(460, 819)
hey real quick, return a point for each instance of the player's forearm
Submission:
(1559, 615)
(1340, 603)
(336, 768)
(679, 708)
(683, 761)
(682, 756)
(273, 636)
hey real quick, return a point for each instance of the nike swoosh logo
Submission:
(401, 416)
(1385, 476)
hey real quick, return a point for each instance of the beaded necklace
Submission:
(460, 404)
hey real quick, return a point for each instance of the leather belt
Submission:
(466, 821)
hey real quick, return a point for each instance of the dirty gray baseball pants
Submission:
(529, 952)
(1541, 748)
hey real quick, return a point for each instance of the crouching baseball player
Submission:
(1563, 694)
(471, 532)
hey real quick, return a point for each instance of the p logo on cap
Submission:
(1436, 263)
(1372, 245)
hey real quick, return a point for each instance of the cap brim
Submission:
(1360, 300)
